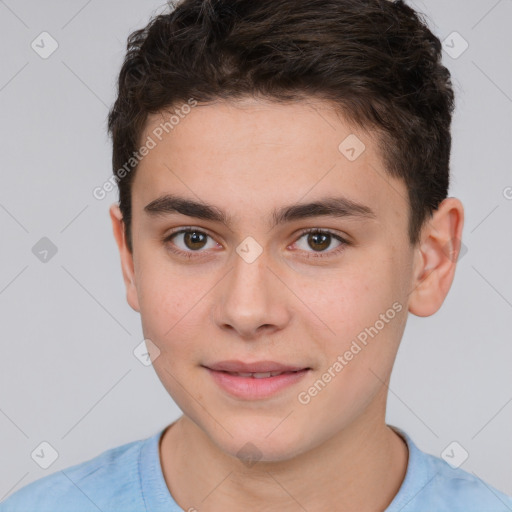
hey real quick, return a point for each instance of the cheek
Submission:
(362, 306)
(351, 299)
(170, 304)
(171, 317)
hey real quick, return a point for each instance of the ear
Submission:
(126, 256)
(436, 258)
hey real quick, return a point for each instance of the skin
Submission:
(248, 158)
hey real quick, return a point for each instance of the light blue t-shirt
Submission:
(129, 478)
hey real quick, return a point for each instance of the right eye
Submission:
(186, 242)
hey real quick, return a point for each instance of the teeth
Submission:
(260, 375)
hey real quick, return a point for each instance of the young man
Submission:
(283, 170)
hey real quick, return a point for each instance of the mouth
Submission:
(253, 381)
(260, 375)
(257, 367)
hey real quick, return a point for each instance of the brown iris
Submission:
(321, 240)
(194, 240)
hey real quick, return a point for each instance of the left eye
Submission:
(319, 241)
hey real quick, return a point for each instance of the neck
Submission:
(360, 468)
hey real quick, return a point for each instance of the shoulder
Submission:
(106, 482)
(463, 489)
(433, 484)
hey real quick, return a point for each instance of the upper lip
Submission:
(256, 367)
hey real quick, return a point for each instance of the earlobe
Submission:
(127, 264)
(436, 258)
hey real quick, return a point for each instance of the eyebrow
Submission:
(326, 207)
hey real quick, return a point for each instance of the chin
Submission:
(260, 441)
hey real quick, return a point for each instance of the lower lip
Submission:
(250, 388)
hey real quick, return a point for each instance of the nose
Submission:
(252, 300)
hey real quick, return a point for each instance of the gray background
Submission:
(68, 375)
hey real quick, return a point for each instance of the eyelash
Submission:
(194, 254)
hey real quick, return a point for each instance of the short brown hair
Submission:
(376, 60)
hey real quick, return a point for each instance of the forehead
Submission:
(257, 155)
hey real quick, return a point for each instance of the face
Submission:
(245, 281)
